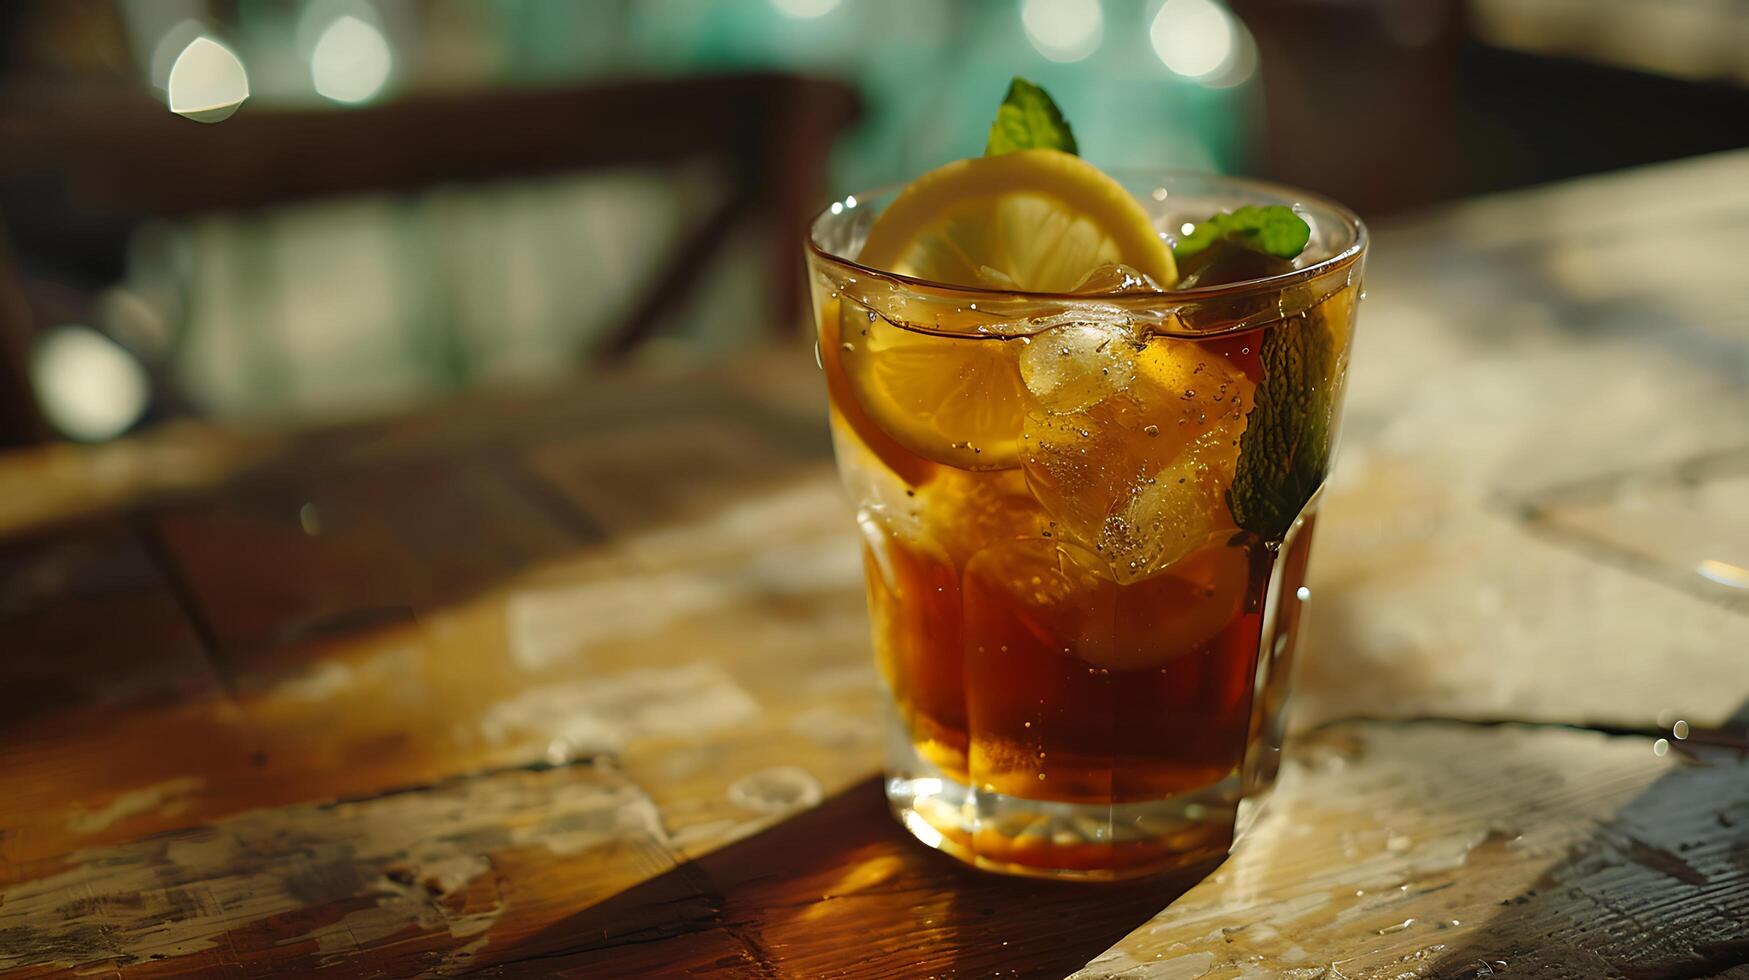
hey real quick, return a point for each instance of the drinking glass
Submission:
(1085, 520)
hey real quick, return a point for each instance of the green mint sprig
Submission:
(1274, 230)
(1284, 451)
(1028, 120)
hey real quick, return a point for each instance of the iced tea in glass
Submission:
(1085, 516)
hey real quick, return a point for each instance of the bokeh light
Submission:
(207, 82)
(805, 9)
(1193, 38)
(1063, 30)
(351, 60)
(168, 48)
(89, 387)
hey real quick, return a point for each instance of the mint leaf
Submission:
(1028, 120)
(1274, 230)
(1227, 261)
(1285, 449)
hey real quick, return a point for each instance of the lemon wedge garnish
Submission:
(1039, 220)
(1031, 220)
(953, 400)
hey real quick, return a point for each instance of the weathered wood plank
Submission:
(571, 660)
(838, 891)
(705, 664)
(275, 562)
(768, 583)
(1506, 353)
(416, 878)
(662, 472)
(1451, 851)
(59, 484)
(90, 631)
(77, 607)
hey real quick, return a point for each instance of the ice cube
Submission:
(1098, 470)
(1081, 361)
(1115, 277)
(1038, 601)
(1180, 509)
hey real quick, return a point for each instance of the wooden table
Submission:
(576, 683)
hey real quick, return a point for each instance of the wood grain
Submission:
(410, 876)
(63, 597)
(840, 891)
(1499, 367)
(1447, 851)
(574, 681)
(370, 651)
(303, 556)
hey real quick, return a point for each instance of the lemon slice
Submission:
(1032, 220)
(1035, 220)
(957, 400)
(910, 467)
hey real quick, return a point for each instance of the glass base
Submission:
(1072, 841)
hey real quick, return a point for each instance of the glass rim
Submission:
(1197, 294)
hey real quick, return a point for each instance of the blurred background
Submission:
(423, 196)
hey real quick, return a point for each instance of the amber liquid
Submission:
(1020, 665)
(964, 653)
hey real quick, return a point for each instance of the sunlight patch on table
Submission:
(600, 715)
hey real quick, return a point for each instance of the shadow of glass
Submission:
(843, 887)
